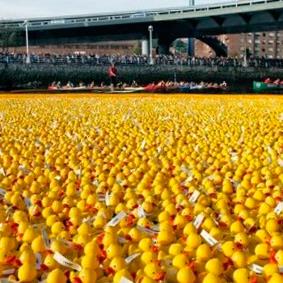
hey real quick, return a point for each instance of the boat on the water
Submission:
(147, 89)
(126, 90)
(267, 87)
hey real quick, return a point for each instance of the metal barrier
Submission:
(93, 60)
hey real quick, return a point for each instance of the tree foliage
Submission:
(180, 46)
(10, 37)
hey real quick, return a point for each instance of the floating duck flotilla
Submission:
(162, 196)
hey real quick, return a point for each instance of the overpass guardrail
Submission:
(146, 14)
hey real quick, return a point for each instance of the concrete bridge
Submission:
(194, 21)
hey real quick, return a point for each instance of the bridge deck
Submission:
(146, 15)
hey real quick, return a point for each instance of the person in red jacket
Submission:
(112, 73)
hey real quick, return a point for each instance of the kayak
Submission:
(126, 90)
(266, 87)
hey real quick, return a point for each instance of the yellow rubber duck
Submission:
(214, 266)
(120, 274)
(211, 278)
(269, 269)
(154, 271)
(241, 275)
(193, 241)
(203, 253)
(27, 272)
(180, 260)
(262, 251)
(276, 241)
(239, 259)
(276, 278)
(148, 257)
(228, 248)
(89, 261)
(87, 275)
(185, 275)
(56, 275)
(165, 237)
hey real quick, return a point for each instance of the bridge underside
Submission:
(220, 49)
(166, 31)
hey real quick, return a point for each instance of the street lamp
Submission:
(27, 42)
(150, 29)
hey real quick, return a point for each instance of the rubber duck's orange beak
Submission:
(222, 225)
(128, 238)
(39, 203)
(213, 195)
(189, 217)
(77, 280)
(154, 249)
(99, 238)
(14, 227)
(78, 247)
(13, 260)
(239, 246)
(44, 267)
(159, 276)
(110, 271)
(131, 220)
(253, 229)
(157, 262)
(253, 279)
(102, 256)
(192, 265)
(272, 257)
(227, 264)
(180, 208)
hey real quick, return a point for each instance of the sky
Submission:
(41, 8)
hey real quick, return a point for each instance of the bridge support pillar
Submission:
(163, 46)
(145, 47)
(191, 47)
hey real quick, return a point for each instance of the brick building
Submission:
(260, 44)
(107, 48)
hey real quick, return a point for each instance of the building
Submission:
(264, 44)
(100, 48)
(260, 44)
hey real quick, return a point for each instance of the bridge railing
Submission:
(95, 60)
(86, 19)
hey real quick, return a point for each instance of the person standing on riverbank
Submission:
(112, 73)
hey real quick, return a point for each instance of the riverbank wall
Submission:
(41, 75)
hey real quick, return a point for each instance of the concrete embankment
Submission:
(41, 75)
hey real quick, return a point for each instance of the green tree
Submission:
(10, 37)
(180, 46)
(137, 48)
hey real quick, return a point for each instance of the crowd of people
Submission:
(95, 59)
